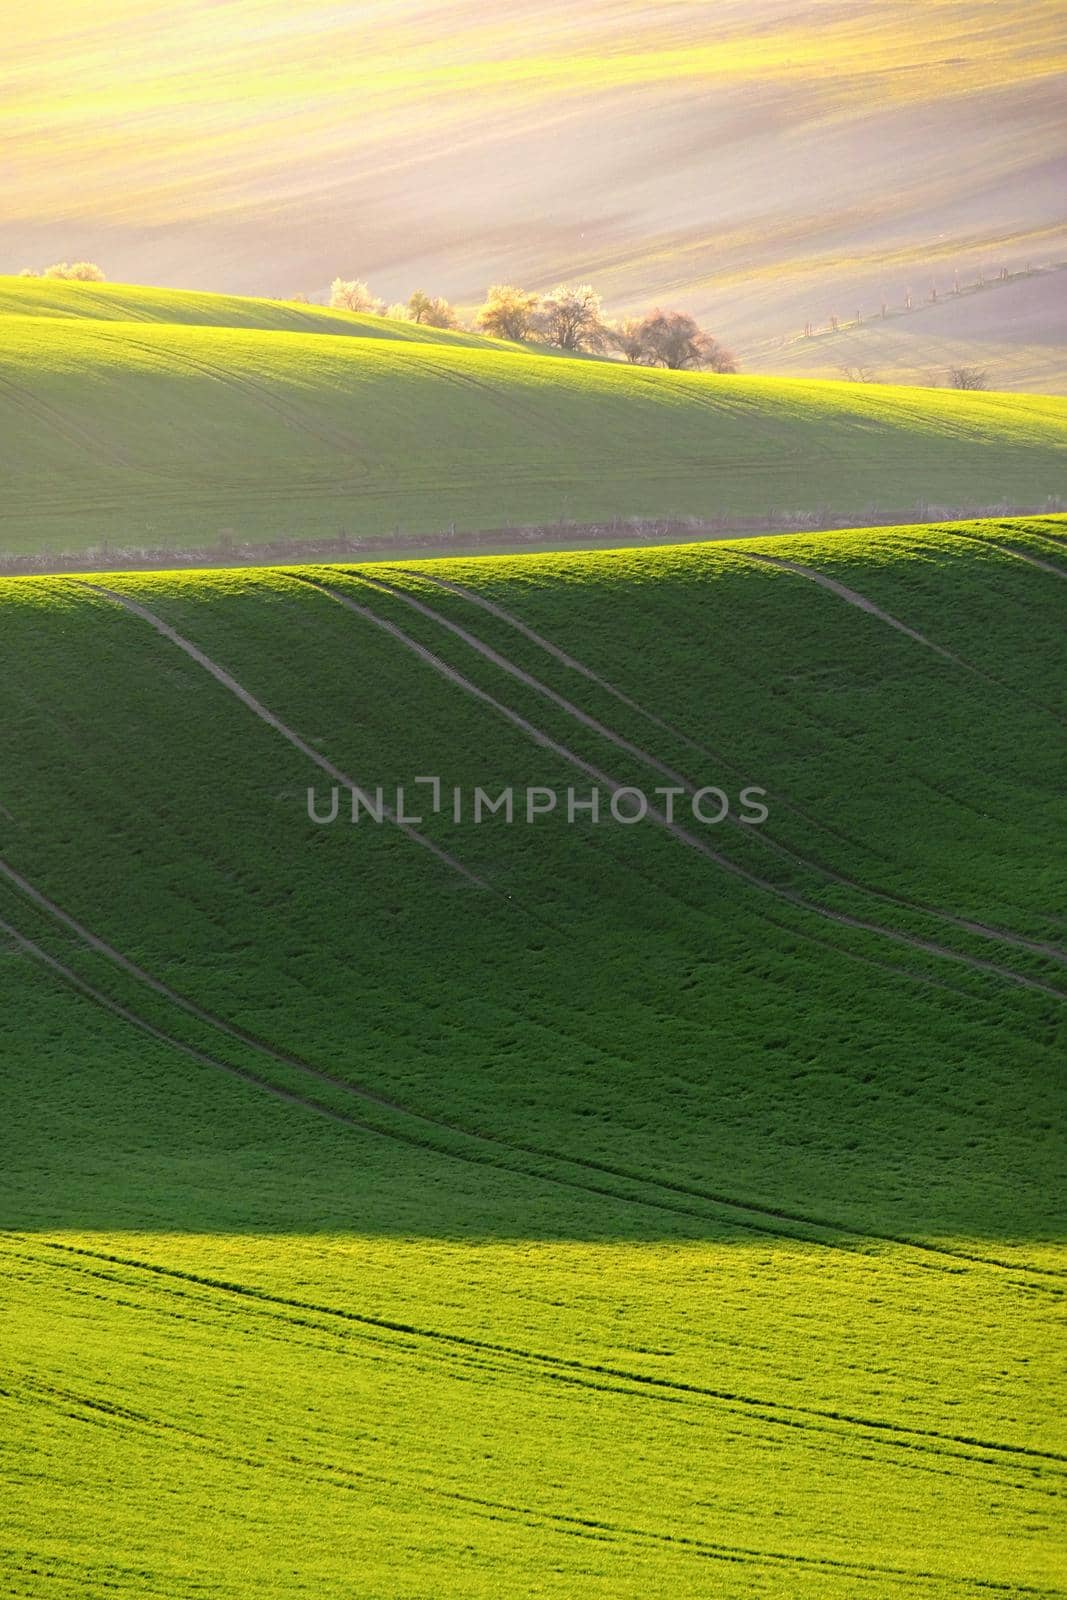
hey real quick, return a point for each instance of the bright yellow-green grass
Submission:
(124, 302)
(576, 1210)
(187, 433)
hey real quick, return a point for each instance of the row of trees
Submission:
(82, 271)
(570, 318)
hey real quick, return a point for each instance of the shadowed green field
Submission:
(552, 1209)
(158, 420)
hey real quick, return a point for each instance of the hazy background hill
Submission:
(764, 165)
(1014, 332)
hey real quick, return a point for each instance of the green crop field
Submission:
(152, 419)
(573, 1210)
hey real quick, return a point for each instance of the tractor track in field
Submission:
(55, 419)
(231, 684)
(853, 598)
(501, 397)
(818, 1438)
(1009, 550)
(710, 754)
(690, 840)
(250, 388)
(707, 1196)
(978, 929)
(744, 1223)
(777, 1222)
(532, 1518)
(382, 1348)
(879, 1429)
(345, 1475)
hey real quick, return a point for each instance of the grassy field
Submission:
(552, 1210)
(152, 419)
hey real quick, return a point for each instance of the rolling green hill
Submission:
(125, 302)
(191, 432)
(555, 1209)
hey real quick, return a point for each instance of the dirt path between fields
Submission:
(543, 538)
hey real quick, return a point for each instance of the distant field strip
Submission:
(194, 425)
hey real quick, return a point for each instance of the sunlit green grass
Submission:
(655, 1232)
(229, 422)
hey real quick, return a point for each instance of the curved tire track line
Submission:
(853, 598)
(364, 1092)
(251, 388)
(258, 709)
(708, 1196)
(70, 978)
(55, 419)
(682, 834)
(978, 929)
(267, 716)
(1008, 550)
(67, 976)
(981, 930)
(110, 1414)
(813, 1432)
(567, 1364)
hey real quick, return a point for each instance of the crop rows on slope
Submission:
(639, 1384)
(546, 741)
(336, 1390)
(933, 796)
(655, 815)
(274, 607)
(480, 1148)
(764, 836)
(634, 1176)
(761, 835)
